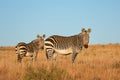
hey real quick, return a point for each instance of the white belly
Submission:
(29, 54)
(64, 51)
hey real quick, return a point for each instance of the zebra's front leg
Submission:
(73, 57)
(34, 56)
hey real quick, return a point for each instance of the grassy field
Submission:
(98, 62)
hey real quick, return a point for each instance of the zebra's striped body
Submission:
(29, 49)
(66, 45)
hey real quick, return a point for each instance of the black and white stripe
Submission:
(29, 49)
(66, 45)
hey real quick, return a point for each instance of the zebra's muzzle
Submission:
(85, 46)
(42, 48)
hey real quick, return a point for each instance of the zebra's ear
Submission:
(38, 36)
(83, 30)
(44, 35)
(89, 30)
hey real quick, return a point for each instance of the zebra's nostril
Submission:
(42, 47)
(86, 46)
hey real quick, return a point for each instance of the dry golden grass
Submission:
(98, 62)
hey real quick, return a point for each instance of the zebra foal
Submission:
(66, 45)
(29, 49)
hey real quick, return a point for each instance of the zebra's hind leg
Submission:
(49, 53)
(54, 56)
(73, 57)
(19, 58)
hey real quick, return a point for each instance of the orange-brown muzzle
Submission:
(41, 46)
(86, 43)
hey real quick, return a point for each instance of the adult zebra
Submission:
(29, 49)
(66, 45)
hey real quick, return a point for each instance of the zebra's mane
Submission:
(35, 41)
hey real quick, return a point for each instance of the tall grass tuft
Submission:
(43, 73)
(116, 65)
